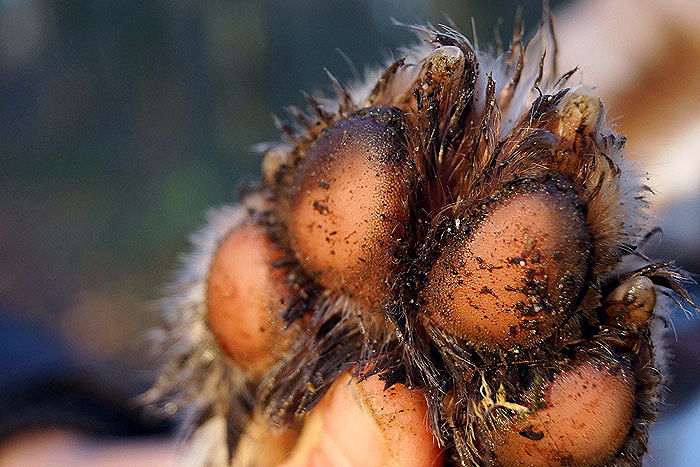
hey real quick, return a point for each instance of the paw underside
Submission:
(464, 226)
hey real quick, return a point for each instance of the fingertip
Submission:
(401, 415)
(361, 424)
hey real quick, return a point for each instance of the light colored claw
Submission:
(275, 158)
(444, 63)
(581, 112)
(632, 303)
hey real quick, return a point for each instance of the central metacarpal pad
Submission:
(350, 204)
(515, 274)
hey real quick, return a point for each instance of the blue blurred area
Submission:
(26, 350)
(42, 386)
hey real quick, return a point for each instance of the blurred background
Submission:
(121, 122)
